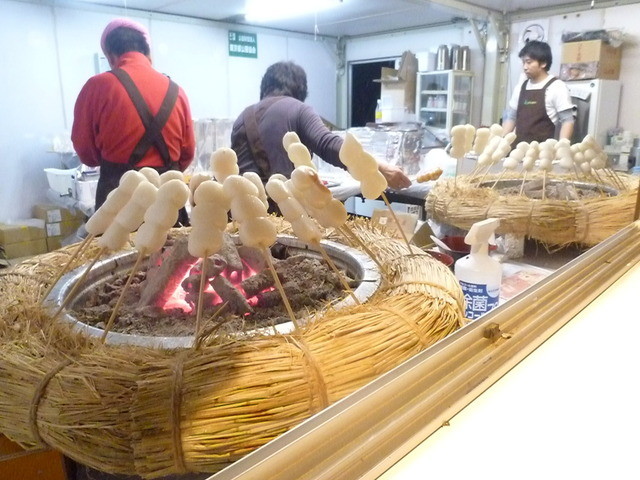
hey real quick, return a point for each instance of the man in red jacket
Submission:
(132, 116)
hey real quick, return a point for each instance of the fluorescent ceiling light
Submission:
(266, 10)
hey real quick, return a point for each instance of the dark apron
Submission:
(251, 117)
(110, 173)
(532, 121)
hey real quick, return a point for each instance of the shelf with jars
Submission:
(443, 99)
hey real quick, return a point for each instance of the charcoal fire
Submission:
(164, 295)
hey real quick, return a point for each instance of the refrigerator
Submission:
(596, 103)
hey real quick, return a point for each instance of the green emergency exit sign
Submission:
(243, 44)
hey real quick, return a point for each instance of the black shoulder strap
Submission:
(253, 136)
(550, 82)
(153, 125)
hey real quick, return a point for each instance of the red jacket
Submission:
(107, 126)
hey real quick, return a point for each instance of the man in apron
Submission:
(132, 116)
(541, 104)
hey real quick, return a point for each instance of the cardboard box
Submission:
(590, 59)
(19, 233)
(62, 229)
(54, 213)
(54, 243)
(398, 87)
(26, 248)
(408, 222)
(59, 231)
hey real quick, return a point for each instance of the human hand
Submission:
(396, 178)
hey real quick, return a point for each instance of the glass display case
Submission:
(443, 99)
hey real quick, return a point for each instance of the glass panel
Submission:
(437, 81)
(462, 84)
(459, 118)
(434, 119)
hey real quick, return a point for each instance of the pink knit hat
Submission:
(124, 22)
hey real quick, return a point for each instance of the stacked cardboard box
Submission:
(22, 240)
(590, 59)
(60, 223)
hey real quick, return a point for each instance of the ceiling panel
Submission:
(349, 18)
(359, 17)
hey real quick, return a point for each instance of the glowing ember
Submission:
(178, 299)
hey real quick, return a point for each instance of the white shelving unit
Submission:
(443, 99)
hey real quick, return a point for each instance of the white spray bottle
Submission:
(480, 275)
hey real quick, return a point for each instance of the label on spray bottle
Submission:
(479, 298)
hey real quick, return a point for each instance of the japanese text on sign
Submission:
(243, 44)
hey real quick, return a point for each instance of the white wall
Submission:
(418, 42)
(48, 53)
(624, 18)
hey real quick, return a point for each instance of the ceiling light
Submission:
(265, 10)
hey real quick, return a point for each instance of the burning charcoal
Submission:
(215, 265)
(253, 258)
(229, 252)
(191, 284)
(163, 281)
(208, 298)
(237, 303)
(257, 283)
(268, 299)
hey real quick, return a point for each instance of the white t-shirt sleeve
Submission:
(561, 96)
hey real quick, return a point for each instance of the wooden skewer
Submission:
(576, 171)
(66, 266)
(77, 285)
(200, 295)
(349, 233)
(333, 266)
(199, 336)
(267, 256)
(611, 177)
(598, 178)
(116, 308)
(395, 218)
(616, 179)
(499, 178)
(524, 180)
(483, 176)
(544, 185)
(455, 174)
(473, 174)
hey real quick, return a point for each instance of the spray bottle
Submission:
(480, 275)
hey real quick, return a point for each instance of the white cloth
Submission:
(556, 99)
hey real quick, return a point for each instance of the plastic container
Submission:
(447, 260)
(480, 275)
(62, 181)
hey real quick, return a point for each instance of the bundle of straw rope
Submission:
(588, 221)
(158, 412)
